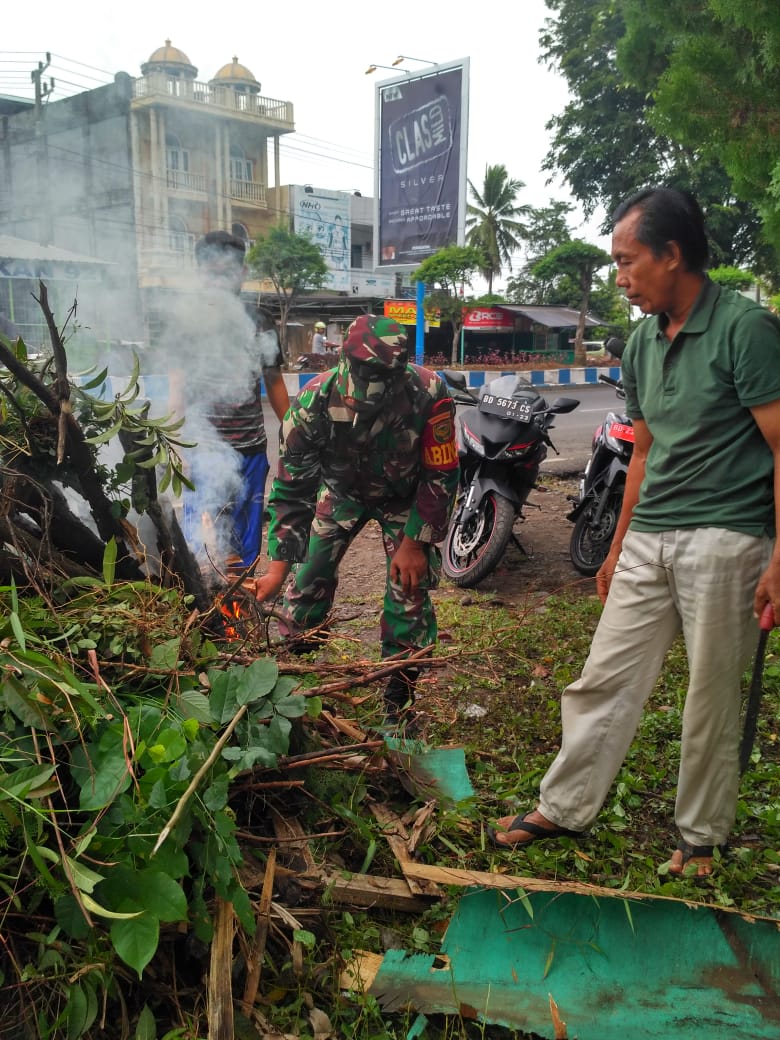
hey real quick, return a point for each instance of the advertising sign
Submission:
(405, 313)
(402, 311)
(421, 136)
(489, 319)
(324, 217)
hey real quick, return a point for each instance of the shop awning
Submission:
(552, 317)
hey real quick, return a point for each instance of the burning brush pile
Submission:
(155, 752)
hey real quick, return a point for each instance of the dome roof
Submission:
(169, 57)
(236, 74)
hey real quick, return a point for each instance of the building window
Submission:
(177, 158)
(240, 231)
(240, 167)
(179, 238)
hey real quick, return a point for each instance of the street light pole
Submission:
(406, 57)
(372, 68)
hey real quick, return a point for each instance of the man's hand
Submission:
(409, 565)
(768, 590)
(605, 573)
(268, 585)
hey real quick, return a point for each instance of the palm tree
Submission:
(491, 221)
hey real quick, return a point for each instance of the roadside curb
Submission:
(553, 377)
(155, 387)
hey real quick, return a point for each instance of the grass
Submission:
(499, 697)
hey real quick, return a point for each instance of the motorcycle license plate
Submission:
(507, 407)
(622, 432)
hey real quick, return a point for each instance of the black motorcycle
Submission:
(597, 507)
(502, 442)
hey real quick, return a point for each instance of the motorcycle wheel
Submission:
(472, 550)
(590, 542)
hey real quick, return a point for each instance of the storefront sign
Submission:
(405, 313)
(489, 319)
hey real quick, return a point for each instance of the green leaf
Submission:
(101, 779)
(23, 703)
(161, 895)
(291, 707)
(285, 686)
(102, 911)
(70, 918)
(98, 380)
(305, 937)
(18, 631)
(80, 1011)
(84, 878)
(146, 1028)
(24, 782)
(158, 459)
(109, 561)
(165, 656)
(216, 795)
(106, 435)
(136, 941)
(257, 680)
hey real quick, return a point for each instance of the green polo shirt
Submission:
(709, 465)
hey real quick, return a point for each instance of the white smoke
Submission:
(213, 358)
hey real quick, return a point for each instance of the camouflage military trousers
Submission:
(408, 621)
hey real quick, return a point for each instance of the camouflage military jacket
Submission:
(399, 459)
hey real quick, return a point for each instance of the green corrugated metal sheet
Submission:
(615, 968)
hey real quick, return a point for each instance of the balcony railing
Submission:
(247, 191)
(225, 98)
(182, 180)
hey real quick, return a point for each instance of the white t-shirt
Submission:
(318, 343)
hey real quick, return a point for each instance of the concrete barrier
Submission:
(155, 387)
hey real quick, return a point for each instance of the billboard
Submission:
(421, 146)
(405, 313)
(324, 216)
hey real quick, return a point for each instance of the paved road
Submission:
(571, 435)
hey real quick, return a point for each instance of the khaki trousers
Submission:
(700, 581)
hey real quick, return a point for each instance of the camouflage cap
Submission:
(374, 352)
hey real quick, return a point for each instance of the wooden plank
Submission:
(220, 983)
(367, 891)
(483, 879)
(397, 838)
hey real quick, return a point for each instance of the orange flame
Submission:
(231, 612)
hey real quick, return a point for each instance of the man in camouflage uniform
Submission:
(371, 439)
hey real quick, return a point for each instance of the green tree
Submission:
(546, 227)
(579, 262)
(609, 139)
(733, 278)
(293, 264)
(444, 275)
(715, 78)
(491, 221)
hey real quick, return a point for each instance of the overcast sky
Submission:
(316, 55)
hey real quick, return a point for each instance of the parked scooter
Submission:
(502, 442)
(597, 507)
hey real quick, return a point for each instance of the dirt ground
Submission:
(544, 534)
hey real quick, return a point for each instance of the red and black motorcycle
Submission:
(598, 504)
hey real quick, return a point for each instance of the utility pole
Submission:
(42, 91)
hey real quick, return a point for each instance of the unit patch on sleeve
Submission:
(439, 450)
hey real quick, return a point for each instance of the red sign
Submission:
(490, 319)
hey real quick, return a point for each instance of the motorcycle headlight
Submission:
(471, 440)
(519, 448)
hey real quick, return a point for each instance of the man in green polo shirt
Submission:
(694, 549)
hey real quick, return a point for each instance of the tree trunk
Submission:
(456, 327)
(580, 355)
